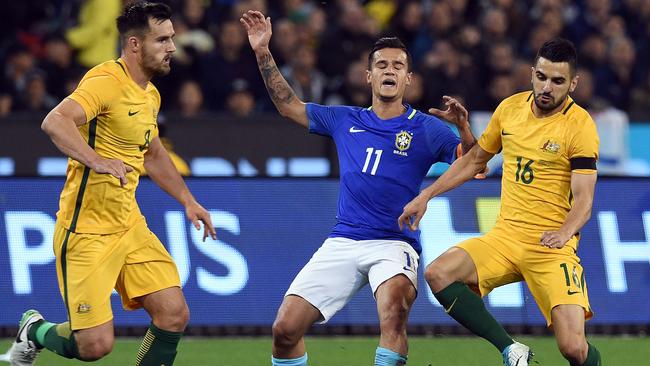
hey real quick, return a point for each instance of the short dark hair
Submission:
(389, 42)
(559, 50)
(135, 18)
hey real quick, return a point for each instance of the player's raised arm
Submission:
(259, 34)
(458, 115)
(61, 125)
(458, 173)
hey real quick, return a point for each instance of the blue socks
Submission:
(383, 357)
(300, 361)
(386, 357)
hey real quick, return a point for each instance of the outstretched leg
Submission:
(448, 277)
(35, 334)
(294, 318)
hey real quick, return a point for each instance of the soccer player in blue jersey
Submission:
(385, 151)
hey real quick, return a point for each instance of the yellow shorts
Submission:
(89, 266)
(554, 276)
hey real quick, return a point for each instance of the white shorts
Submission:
(342, 266)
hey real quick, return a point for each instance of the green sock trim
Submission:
(468, 309)
(593, 357)
(39, 329)
(165, 335)
(60, 340)
(158, 347)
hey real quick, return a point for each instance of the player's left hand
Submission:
(455, 112)
(197, 214)
(413, 212)
(554, 239)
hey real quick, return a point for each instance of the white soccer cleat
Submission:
(517, 354)
(5, 356)
(23, 352)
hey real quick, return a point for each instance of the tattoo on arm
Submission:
(279, 90)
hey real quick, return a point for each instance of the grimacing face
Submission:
(552, 83)
(389, 74)
(157, 47)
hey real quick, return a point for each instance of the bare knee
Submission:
(172, 317)
(575, 350)
(285, 334)
(437, 277)
(92, 348)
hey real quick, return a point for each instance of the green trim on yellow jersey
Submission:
(64, 273)
(92, 131)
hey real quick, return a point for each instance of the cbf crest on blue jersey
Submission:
(403, 142)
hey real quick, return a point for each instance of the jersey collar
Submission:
(408, 115)
(122, 64)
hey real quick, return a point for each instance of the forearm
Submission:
(467, 139)
(279, 90)
(459, 172)
(162, 171)
(577, 217)
(66, 137)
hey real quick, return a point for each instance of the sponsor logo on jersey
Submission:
(551, 146)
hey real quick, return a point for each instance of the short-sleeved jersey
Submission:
(121, 123)
(539, 155)
(382, 165)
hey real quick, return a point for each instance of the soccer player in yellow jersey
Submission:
(550, 148)
(107, 127)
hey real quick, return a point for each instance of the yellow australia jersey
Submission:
(539, 155)
(121, 123)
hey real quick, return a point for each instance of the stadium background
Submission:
(217, 118)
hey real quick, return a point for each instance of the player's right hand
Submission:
(455, 112)
(413, 213)
(258, 28)
(114, 167)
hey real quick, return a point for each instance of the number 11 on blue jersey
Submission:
(369, 152)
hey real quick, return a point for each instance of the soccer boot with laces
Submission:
(517, 354)
(24, 351)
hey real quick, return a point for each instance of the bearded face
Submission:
(552, 83)
(157, 48)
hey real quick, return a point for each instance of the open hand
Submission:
(114, 167)
(258, 28)
(197, 214)
(554, 239)
(455, 112)
(413, 212)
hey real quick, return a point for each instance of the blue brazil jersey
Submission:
(382, 165)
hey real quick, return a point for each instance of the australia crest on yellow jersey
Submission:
(551, 146)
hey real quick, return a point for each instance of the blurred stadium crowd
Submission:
(480, 51)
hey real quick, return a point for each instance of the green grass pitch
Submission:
(340, 351)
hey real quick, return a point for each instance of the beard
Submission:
(155, 67)
(551, 105)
